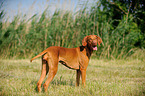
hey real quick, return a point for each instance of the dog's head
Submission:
(91, 41)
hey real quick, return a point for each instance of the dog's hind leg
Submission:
(53, 66)
(44, 72)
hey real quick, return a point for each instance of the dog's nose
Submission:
(94, 42)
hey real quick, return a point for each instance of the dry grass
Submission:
(104, 77)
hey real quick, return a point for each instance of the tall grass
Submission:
(25, 38)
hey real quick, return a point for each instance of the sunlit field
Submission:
(117, 68)
(104, 77)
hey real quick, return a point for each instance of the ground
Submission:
(104, 77)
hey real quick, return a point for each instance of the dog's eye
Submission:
(90, 39)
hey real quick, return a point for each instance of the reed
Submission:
(23, 38)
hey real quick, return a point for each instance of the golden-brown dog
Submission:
(74, 58)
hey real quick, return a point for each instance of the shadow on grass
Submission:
(69, 82)
(58, 82)
(34, 82)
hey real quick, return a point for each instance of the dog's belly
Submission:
(72, 64)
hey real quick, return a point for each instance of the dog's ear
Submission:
(99, 40)
(84, 41)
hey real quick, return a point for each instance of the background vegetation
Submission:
(119, 23)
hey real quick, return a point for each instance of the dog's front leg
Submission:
(83, 75)
(78, 74)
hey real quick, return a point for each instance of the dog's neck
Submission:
(86, 50)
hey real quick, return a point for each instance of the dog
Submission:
(73, 58)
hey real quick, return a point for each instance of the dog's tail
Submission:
(38, 55)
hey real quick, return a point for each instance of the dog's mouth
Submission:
(94, 48)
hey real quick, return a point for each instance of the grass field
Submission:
(104, 77)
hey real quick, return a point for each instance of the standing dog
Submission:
(74, 58)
